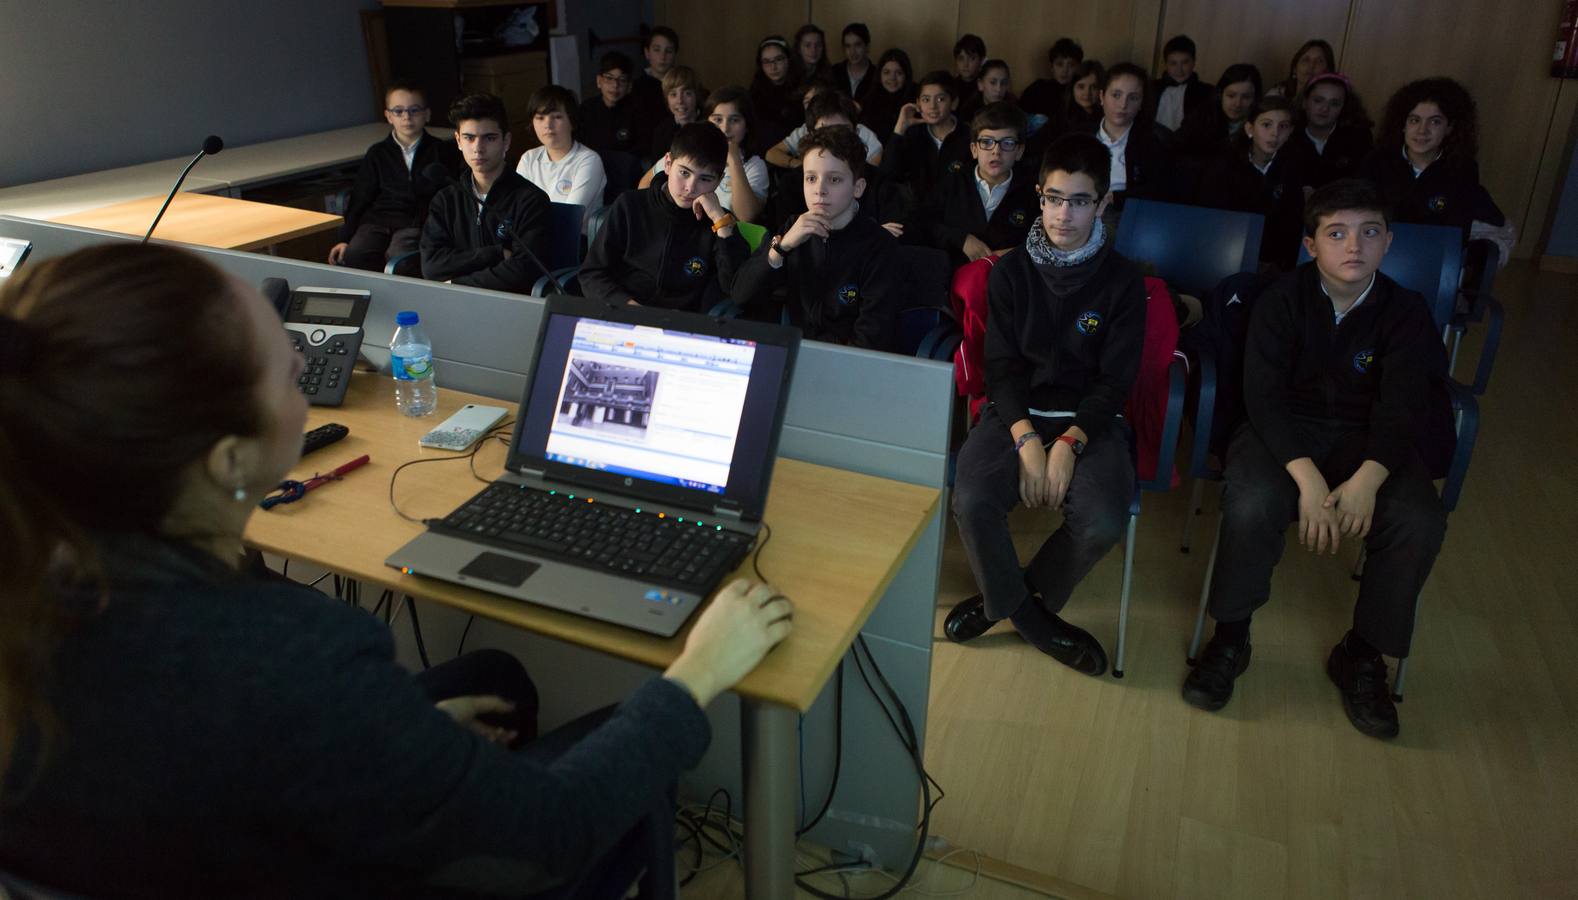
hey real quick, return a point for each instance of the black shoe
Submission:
(967, 621)
(1366, 698)
(1209, 684)
(1068, 644)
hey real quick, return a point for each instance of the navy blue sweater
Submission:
(221, 735)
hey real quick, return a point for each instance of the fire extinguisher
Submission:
(1565, 62)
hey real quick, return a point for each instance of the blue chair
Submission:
(563, 249)
(562, 260)
(1430, 262)
(1192, 248)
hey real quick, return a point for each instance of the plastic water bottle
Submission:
(411, 362)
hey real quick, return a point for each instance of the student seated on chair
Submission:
(567, 170)
(672, 244)
(969, 53)
(1259, 174)
(827, 108)
(1426, 157)
(660, 52)
(1180, 94)
(1337, 374)
(856, 76)
(894, 86)
(839, 264)
(988, 208)
(927, 141)
(1331, 130)
(1141, 164)
(729, 108)
(178, 723)
(995, 84)
(1064, 329)
(608, 121)
(392, 192)
(683, 91)
(479, 228)
(1046, 96)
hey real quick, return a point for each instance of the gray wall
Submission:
(92, 86)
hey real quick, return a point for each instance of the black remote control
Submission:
(322, 436)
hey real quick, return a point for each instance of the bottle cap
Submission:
(407, 317)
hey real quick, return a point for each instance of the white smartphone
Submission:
(464, 428)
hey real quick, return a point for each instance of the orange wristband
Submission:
(727, 221)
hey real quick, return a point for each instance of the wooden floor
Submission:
(1121, 787)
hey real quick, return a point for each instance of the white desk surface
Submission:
(232, 168)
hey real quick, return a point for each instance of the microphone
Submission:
(211, 145)
(436, 173)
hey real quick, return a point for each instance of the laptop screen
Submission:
(653, 407)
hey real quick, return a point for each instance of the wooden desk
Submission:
(838, 538)
(205, 219)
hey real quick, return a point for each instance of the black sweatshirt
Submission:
(1447, 192)
(1147, 162)
(222, 735)
(1231, 181)
(605, 129)
(1345, 151)
(956, 212)
(845, 286)
(460, 248)
(654, 251)
(914, 159)
(1199, 96)
(1372, 370)
(1078, 352)
(651, 108)
(387, 193)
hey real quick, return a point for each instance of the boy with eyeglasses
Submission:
(1064, 328)
(986, 209)
(607, 122)
(390, 198)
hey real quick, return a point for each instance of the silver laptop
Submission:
(638, 469)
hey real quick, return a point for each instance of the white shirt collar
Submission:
(1417, 170)
(1265, 168)
(408, 152)
(1320, 143)
(992, 197)
(1101, 133)
(1337, 317)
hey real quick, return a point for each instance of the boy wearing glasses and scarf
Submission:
(1065, 325)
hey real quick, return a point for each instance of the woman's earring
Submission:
(241, 494)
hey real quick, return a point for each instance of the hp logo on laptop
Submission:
(629, 482)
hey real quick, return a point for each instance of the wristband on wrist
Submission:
(1074, 443)
(1026, 438)
(726, 221)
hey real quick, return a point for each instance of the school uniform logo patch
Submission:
(1018, 219)
(695, 267)
(1276, 193)
(622, 135)
(1438, 203)
(1088, 322)
(955, 166)
(1363, 360)
(848, 294)
(564, 186)
(502, 232)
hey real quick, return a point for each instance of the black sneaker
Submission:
(1209, 684)
(1366, 698)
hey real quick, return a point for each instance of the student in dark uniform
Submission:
(480, 228)
(1046, 96)
(1425, 160)
(987, 208)
(810, 44)
(839, 264)
(607, 121)
(683, 92)
(1207, 135)
(1259, 174)
(1064, 331)
(390, 198)
(659, 48)
(1141, 162)
(1179, 93)
(856, 77)
(670, 245)
(1337, 373)
(893, 86)
(995, 84)
(969, 53)
(1082, 102)
(1331, 131)
(775, 92)
(928, 140)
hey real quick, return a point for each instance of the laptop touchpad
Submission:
(499, 569)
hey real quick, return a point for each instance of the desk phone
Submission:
(325, 324)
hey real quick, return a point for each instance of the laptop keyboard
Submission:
(555, 525)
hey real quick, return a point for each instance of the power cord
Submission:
(416, 632)
(470, 458)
